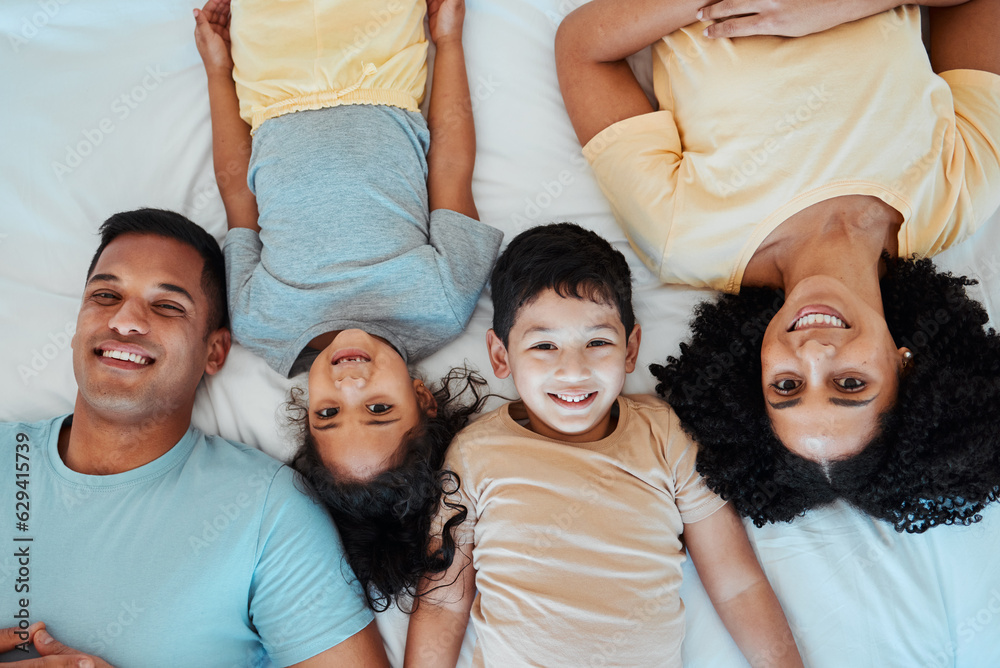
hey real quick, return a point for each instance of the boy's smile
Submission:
(568, 358)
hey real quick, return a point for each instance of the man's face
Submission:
(141, 344)
(568, 358)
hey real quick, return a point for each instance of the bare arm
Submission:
(452, 155)
(794, 18)
(364, 648)
(739, 590)
(230, 134)
(437, 626)
(966, 36)
(592, 43)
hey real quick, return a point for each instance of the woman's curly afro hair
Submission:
(936, 457)
(385, 522)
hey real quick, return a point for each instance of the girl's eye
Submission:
(786, 386)
(378, 409)
(327, 413)
(851, 384)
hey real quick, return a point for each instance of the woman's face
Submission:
(361, 403)
(830, 370)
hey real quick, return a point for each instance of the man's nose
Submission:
(130, 318)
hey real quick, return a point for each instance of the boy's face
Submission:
(568, 358)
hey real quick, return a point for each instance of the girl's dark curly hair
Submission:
(385, 522)
(936, 457)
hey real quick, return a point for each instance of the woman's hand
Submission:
(446, 18)
(785, 18)
(211, 35)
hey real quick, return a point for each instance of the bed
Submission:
(107, 111)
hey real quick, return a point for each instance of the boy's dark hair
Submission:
(936, 457)
(386, 522)
(566, 258)
(175, 226)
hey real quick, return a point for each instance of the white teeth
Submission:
(352, 359)
(819, 318)
(574, 399)
(128, 357)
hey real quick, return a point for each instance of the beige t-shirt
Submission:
(577, 547)
(753, 130)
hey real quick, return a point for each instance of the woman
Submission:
(793, 173)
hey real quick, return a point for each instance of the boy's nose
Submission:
(572, 367)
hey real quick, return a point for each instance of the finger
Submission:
(12, 637)
(725, 9)
(77, 661)
(49, 646)
(744, 26)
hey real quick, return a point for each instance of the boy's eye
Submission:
(378, 409)
(594, 344)
(786, 386)
(327, 413)
(543, 346)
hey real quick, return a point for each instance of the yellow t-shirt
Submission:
(753, 130)
(576, 546)
(298, 55)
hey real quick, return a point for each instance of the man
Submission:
(140, 540)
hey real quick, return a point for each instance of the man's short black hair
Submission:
(175, 226)
(566, 258)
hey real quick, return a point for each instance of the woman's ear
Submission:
(425, 398)
(906, 359)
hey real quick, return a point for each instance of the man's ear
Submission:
(632, 348)
(425, 399)
(219, 343)
(498, 355)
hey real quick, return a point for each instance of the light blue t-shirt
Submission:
(206, 556)
(347, 241)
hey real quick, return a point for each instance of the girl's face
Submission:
(362, 402)
(830, 369)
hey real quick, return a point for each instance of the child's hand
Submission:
(211, 35)
(445, 18)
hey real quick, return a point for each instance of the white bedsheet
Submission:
(105, 109)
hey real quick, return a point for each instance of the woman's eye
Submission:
(378, 409)
(851, 384)
(785, 386)
(327, 413)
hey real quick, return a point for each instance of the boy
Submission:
(576, 497)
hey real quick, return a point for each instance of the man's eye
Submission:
(786, 386)
(594, 344)
(170, 307)
(104, 295)
(543, 346)
(327, 413)
(851, 384)
(378, 409)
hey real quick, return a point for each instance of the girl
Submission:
(353, 247)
